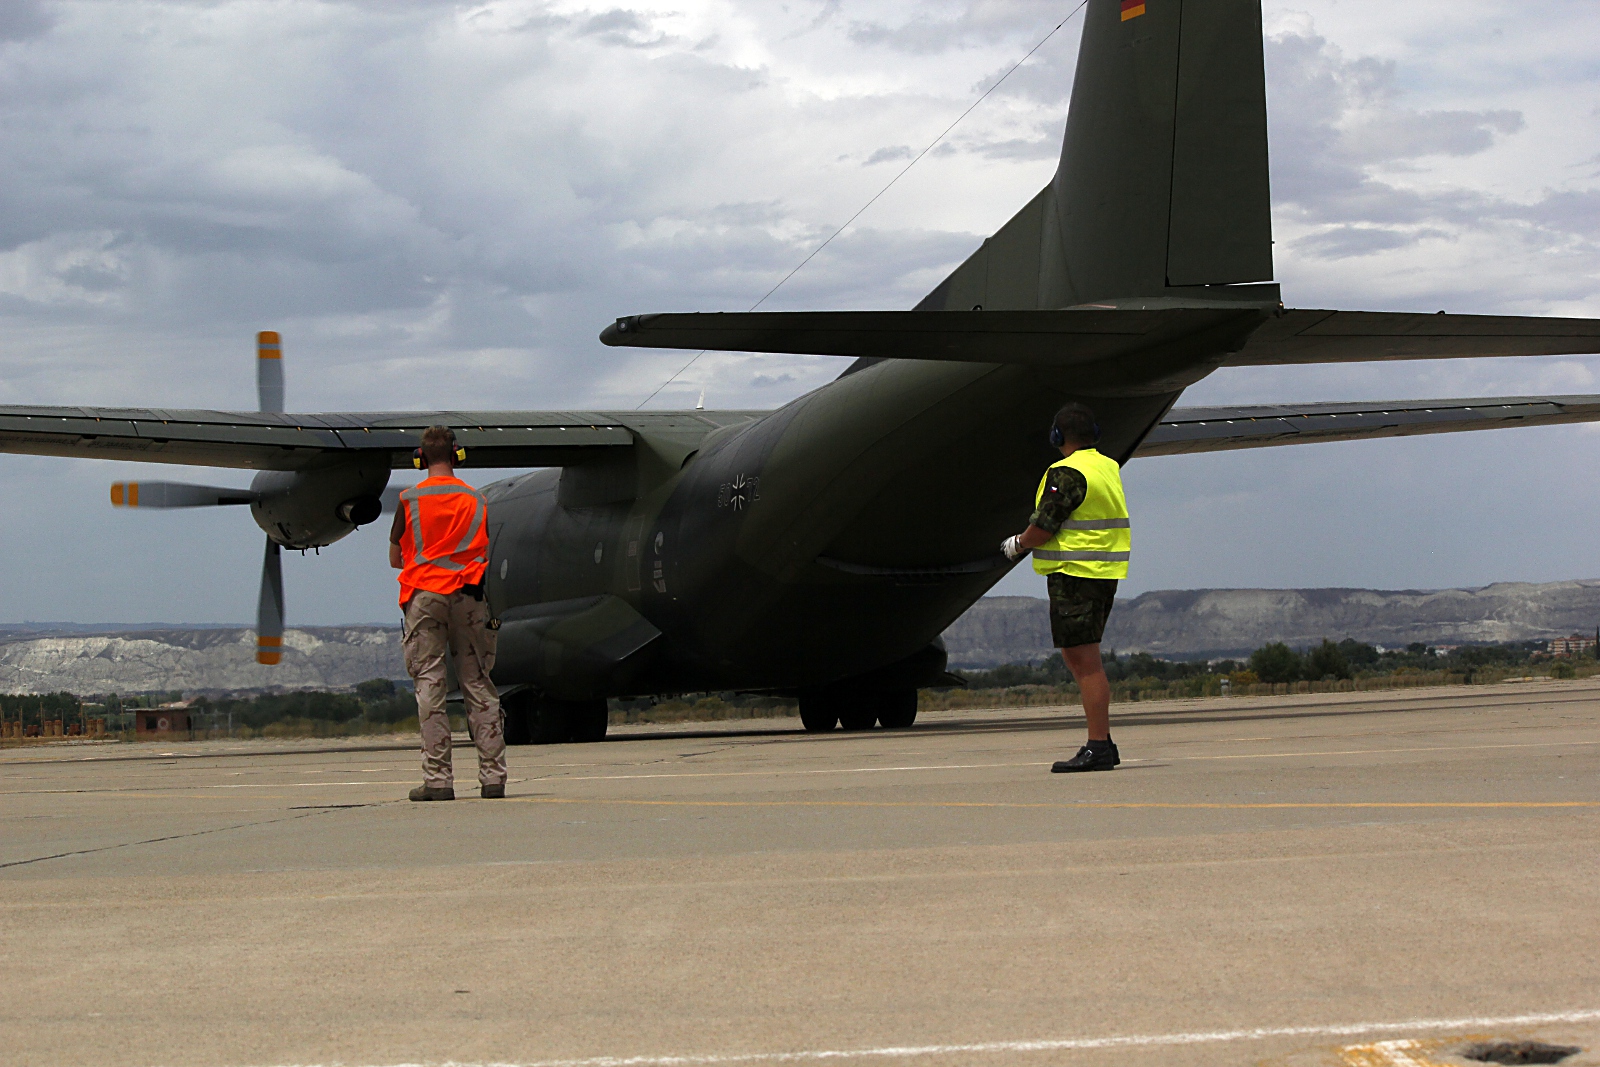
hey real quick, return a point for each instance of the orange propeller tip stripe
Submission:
(269, 642)
(269, 345)
(124, 494)
(269, 658)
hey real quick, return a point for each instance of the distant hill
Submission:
(1227, 622)
(1002, 629)
(195, 659)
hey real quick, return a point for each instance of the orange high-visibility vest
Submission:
(446, 540)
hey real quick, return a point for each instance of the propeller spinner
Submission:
(297, 509)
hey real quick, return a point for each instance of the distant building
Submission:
(1576, 645)
(160, 722)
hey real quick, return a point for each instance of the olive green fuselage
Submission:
(833, 537)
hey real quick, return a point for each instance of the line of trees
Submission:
(375, 705)
(377, 701)
(1274, 663)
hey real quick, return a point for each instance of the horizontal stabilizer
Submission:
(1244, 333)
(1304, 336)
(1068, 337)
(1187, 430)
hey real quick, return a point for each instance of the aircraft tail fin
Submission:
(1162, 185)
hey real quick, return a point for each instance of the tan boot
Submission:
(433, 792)
(492, 792)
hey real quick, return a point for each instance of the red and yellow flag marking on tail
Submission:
(1132, 9)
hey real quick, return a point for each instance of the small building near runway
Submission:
(165, 721)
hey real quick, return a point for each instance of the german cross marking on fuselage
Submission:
(739, 493)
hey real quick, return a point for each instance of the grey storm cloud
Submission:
(22, 19)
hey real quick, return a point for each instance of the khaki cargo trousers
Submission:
(456, 624)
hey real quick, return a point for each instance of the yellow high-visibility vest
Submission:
(1097, 540)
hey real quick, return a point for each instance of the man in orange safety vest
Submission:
(440, 545)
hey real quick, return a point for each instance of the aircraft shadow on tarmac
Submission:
(1054, 718)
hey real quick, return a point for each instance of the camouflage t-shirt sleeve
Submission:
(1064, 490)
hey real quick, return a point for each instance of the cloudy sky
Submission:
(401, 187)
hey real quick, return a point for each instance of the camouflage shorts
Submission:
(1079, 608)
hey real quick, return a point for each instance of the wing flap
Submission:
(1216, 429)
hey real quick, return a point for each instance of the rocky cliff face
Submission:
(313, 658)
(1222, 622)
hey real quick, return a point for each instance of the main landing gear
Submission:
(857, 709)
(535, 720)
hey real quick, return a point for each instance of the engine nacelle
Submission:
(317, 506)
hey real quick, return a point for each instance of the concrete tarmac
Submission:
(1353, 879)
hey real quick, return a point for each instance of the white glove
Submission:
(1012, 547)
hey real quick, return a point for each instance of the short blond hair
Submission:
(438, 445)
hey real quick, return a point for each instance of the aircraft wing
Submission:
(1187, 430)
(293, 441)
(1253, 333)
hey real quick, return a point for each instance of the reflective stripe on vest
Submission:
(1098, 540)
(446, 543)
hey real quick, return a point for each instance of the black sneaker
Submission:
(492, 792)
(1088, 759)
(433, 792)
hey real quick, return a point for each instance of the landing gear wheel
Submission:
(587, 720)
(897, 708)
(517, 714)
(818, 713)
(858, 711)
(550, 723)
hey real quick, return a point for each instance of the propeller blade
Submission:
(269, 371)
(176, 495)
(269, 611)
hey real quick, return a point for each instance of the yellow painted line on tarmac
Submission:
(1071, 806)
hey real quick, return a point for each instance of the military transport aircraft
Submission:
(681, 551)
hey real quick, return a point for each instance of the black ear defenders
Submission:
(1058, 440)
(419, 463)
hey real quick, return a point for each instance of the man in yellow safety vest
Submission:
(1081, 540)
